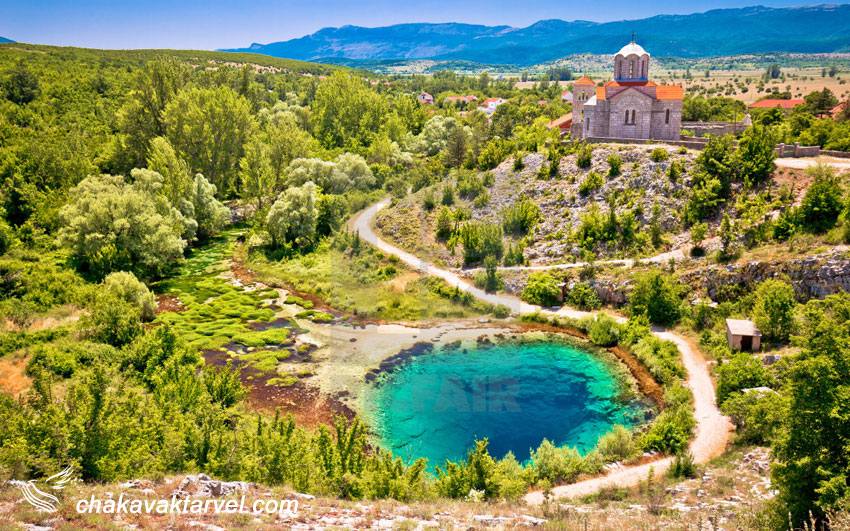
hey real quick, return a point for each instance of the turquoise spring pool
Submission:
(514, 393)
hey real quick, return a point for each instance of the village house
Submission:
(425, 98)
(836, 111)
(743, 335)
(567, 96)
(563, 123)
(490, 105)
(453, 99)
(629, 106)
(770, 103)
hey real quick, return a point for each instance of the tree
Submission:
(757, 416)
(292, 218)
(773, 311)
(346, 111)
(655, 296)
(718, 160)
(822, 203)
(141, 118)
(698, 231)
(728, 237)
(209, 213)
(457, 146)
(258, 179)
(755, 155)
(110, 225)
(21, 84)
(331, 213)
(350, 171)
(820, 102)
(209, 128)
(176, 178)
(127, 287)
(811, 452)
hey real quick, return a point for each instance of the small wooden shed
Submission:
(743, 335)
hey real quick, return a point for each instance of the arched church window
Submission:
(631, 69)
(627, 117)
(667, 117)
(633, 117)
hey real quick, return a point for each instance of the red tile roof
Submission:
(673, 92)
(584, 81)
(838, 108)
(771, 103)
(564, 122)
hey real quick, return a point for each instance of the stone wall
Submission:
(714, 128)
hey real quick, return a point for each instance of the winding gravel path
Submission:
(712, 429)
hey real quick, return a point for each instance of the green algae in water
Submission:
(513, 393)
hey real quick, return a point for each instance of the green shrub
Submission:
(481, 240)
(670, 432)
(591, 183)
(514, 254)
(604, 331)
(616, 445)
(659, 155)
(542, 289)
(741, 371)
(445, 222)
(113, 321)
(501, 311)
(294, 299)
(683, 466)
(519, 217)
(584, 297)
(448, 196)
(519, 163)
(614, 164)
(774, 308)
(656, 296)
(822, 203)
(584, 155)
(556, 464)
(126, 286)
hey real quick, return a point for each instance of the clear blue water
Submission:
(513, 393)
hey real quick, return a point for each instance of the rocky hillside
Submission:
(640, 185)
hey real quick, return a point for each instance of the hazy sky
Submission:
(211, 24)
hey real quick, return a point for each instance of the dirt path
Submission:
(805, 162)
(712, 429)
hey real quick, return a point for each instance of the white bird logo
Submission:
(44, 501)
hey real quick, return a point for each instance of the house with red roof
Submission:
(838, 109)
(770, 103)
(425, 98)
(563, 124)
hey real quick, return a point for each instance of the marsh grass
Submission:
(218, 313)
(360, 283)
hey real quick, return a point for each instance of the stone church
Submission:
(630, 106)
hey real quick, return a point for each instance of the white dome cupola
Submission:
(631, 63)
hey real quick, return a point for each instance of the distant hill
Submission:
(810, 29)
(4, 39)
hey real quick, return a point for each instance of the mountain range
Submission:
(758, 29)
(4, 39)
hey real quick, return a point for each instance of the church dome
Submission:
(632, 49)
